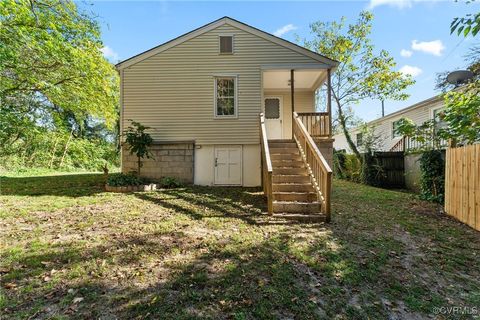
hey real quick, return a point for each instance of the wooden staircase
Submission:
(296, 178)
(294, 196)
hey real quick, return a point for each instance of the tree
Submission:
(462, 103)
(138, 142)
(428, 134)
(51, 51)
(362, 73)
(371, 141)
(462, 114)
(469, 24)
(54, 83)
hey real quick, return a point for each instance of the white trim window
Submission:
(395, 133)
(359, 139)
(437, 114)
(226, 97)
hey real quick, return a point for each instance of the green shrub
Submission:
(170, 182)
(339, 158)
(122, 179)
(372, 173)
(353, 168)
(432, 182)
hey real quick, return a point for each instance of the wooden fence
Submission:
(391, 169)
(462, 184)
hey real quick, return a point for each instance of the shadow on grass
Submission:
(376, 260)
(242, 282)
(197, 202)
(70, 185)
(202, 202)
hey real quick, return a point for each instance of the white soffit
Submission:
(304, 79)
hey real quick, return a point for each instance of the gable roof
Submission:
(212, 25)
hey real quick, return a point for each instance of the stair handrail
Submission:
(319, 170)
(267, 168)
(399, 145)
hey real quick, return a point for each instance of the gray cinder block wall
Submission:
(170, 159)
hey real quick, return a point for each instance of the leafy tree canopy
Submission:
(469, 24)
(50, 50)
(362, 73)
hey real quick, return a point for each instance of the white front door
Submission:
(273, 109)
(228, 165)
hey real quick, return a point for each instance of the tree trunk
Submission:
(66, 148)
(53, 153)
(139, 165)
(343, 124)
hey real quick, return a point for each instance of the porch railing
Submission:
(317, 124)
(408, 144)
(319, 170)
(267, 168)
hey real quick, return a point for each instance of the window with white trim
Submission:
(359, 139)
(225, 97)
(226, 44)
(395, 133)
(437, 115)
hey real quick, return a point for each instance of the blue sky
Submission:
(416, 33)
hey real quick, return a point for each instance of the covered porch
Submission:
(286, 90)
(296, 143)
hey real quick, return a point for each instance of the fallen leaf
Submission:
(77, 299)
(10, 285)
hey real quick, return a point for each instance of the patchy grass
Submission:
(69, 250)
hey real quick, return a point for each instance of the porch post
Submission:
(329, 101)
(292, 94)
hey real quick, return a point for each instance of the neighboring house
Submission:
(201, 95)
(385, 127)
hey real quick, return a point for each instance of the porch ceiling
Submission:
(309, 79)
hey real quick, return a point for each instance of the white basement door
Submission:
(228, 165)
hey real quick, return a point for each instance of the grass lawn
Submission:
(70, 250)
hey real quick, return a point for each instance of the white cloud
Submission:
(434, 47)
(286, 28)
(110, 54)
(411, 70)
(406, 53)
(400, 4)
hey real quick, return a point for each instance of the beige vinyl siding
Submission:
(383, 126)
(304, 102)
(173, 91)
(419, 115)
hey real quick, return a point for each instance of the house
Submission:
(385, 128)
(202, 95)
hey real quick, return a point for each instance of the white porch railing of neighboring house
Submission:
(408, 144)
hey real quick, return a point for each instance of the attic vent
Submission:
(226, 44)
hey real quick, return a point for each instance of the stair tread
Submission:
(293, 192)
(289, 175)
(299, 183)
(296, 202)
(300, 216)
